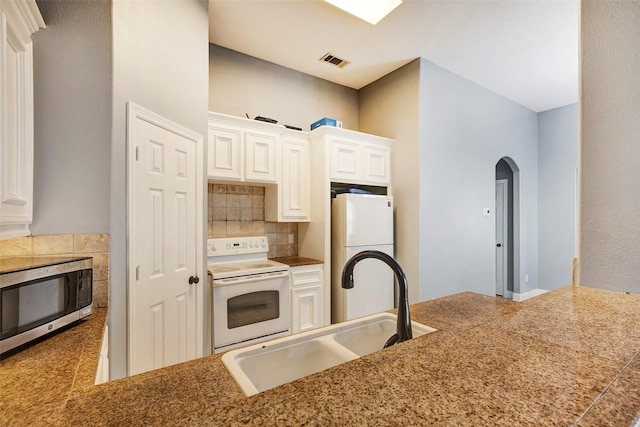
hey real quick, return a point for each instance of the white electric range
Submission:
(251, 295)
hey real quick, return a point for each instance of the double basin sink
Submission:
(266, 365)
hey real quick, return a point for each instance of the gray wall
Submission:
(240, 84)
(465, 131)
(557, 166)
(450, 134)
(609, 246)
(390, 107)
(160, 62)
(72, 113)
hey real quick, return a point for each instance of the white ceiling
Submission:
(525, 50)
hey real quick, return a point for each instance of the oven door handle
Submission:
(248, 279)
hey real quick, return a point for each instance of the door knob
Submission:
(193, 279)
(499, 245)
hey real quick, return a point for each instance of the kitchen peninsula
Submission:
(567, 357)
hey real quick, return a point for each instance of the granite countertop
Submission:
(37, 382)
(296, 261)
(568, 357)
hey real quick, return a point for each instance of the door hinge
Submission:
(137, 152)
(137, 272)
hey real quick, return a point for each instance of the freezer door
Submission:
(373, 289)
(368, 219)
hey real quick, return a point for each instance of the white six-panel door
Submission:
(165, 317)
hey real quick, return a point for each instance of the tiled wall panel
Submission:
(238, 210)
(93, 245)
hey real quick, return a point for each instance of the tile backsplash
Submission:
(93, 245)
(238, 210)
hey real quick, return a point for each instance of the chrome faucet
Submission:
(403, 328)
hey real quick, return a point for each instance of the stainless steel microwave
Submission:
(39, 295)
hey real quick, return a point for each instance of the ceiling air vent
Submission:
(334, 60)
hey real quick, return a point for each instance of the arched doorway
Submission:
(507, 214)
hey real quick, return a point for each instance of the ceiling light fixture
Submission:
(371, 11)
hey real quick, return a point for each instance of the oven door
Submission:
(250, 309)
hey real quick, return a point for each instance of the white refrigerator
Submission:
(361, 222)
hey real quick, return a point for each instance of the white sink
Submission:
(369, 334)
(266, 365)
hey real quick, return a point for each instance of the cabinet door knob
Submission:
(194, 279)
(499, 245)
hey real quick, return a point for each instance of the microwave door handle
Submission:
(249, 279)
(67, 292)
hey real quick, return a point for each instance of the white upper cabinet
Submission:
(19, 19)
(261, 156)
(225, 152)
(355, 157)
(346, 160)
(376, 162)
(289, 201)
(295, 180)
(257, 152)
(242, 150)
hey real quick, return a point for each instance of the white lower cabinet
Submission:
(102, 373)
(306, 297)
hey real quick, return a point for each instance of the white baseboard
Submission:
(529, 294)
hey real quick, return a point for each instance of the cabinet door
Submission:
(261, 156)
(345, 161)
(294, 183)
(306, 298)
(376, 165)
(306, 308)
(224, 154)
(102, 373)
(18, 21)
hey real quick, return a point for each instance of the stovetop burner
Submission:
(242, 268)
(240, 256)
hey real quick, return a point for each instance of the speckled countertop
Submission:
(297, 261)
(568, 357)
(37, 382)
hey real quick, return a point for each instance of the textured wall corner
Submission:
(610, 146)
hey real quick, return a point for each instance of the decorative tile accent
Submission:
(233, 228)
(52, 244)
(100, 265)
(270, 227)
(258, 214)
(90, 243)
(218, 229)
(18, 246)
(101, 293)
